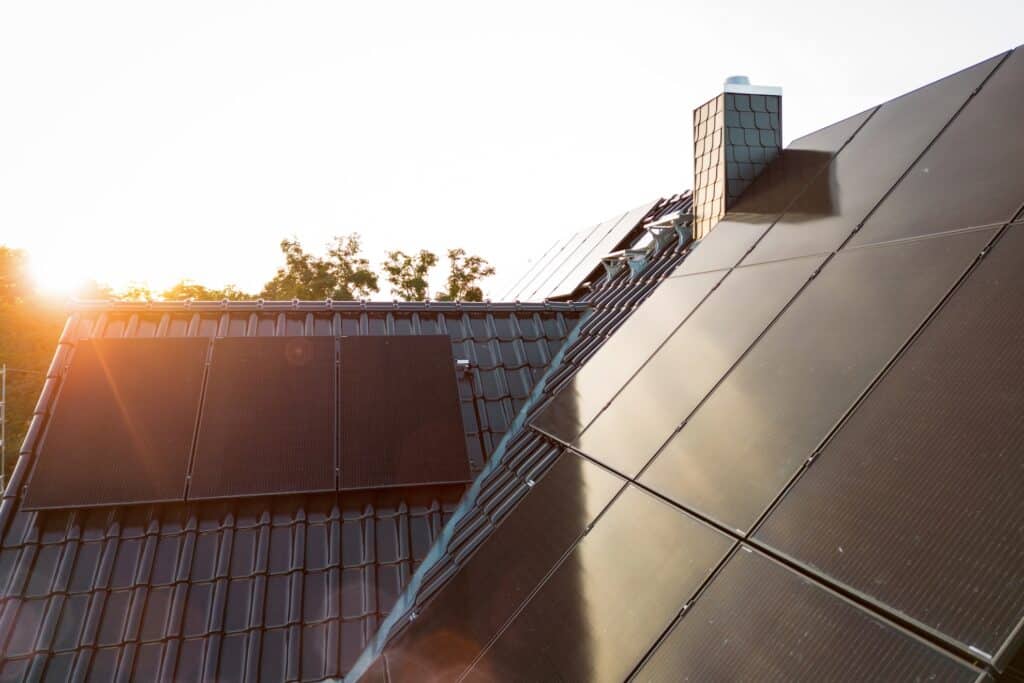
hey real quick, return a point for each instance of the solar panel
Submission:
(566, 253)
(268, 420)
(121, 431)
(529, 284)
(599, 248)
(759, 621)
(611, 597)
(644, 415)
(499, 578)
(401, 421)
(971, 176)
(768, 196)
(946, 424)
(840, 198)
(744, 444)
(581, 246)
(623, 353)
(530, 273)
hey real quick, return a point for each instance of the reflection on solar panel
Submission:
(644, 415)
(971, 175)
(758, 621)
(401, 422)
(608, 601)
(123, 427)
(597, 381)
(268, 418)
(804, 374)
(941, 541)
(485, 593)
(769, 195)
(840, 198)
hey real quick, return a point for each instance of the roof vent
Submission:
(736, 80)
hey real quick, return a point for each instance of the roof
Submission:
(806, 437)
(218, 588)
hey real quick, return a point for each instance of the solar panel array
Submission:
(566, 266)
(814, 429)
(150, 420)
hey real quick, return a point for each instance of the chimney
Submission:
(735, 135)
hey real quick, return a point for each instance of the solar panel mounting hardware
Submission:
(636, 259)
(679, 223)
(462, 365)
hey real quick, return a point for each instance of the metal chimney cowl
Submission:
(736, 134)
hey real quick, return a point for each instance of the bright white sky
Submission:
(149, 142)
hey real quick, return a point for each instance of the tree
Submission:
(342, 274)
(135, 292)
(465, 273)
(187, 289)
(15, 283)
(408, 273)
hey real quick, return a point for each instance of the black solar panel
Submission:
(768, 196)
(971, 176)
(746, 442)
(860, 175)
(917, 500)
(123, 425)
(759, 621)
(268, 419)
(644, 415)
(604, 374)
(609, 600)
(489, 589)
(401, 422)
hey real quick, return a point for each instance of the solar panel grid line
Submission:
(199, 418)
(633, 218)
(686, 605)
(997, 658)
(970, 98)
(844, 173)
(725, 374)
(599, 237)
(509, 295)
(546, 264)
(907, 631)
(884, 369)
(935, 638)
(585, 236)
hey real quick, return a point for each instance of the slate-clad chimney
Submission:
(735, 135)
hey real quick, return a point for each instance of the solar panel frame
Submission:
(868, 167)
(268, 423)
(751, 467)
(875, 417)
(167, 373)
(410, 430)
(747, 599)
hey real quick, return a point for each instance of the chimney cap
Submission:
(741, 84)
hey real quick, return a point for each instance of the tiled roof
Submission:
(528, 453)
(268, 588)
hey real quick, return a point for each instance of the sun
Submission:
(60, 273)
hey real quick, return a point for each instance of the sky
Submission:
(150, 142)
